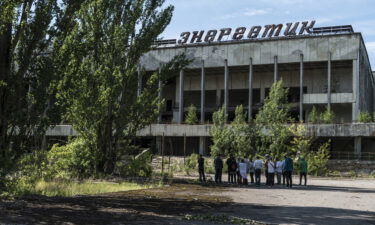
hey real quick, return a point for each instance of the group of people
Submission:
(240, 169)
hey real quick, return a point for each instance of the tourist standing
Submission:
(302, 170)
(266, 169)
(283, 169)
(288, 171)
(202, 177)
(232, 169)
(271, 172)
(279, 171)
(218, 169)
(258, 164)
(251, 170)
(239, 177)
(243, 171)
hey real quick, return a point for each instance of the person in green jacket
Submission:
(302, 170)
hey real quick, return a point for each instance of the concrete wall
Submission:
(366, 82)
(314, 48)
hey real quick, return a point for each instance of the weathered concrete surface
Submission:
(314, 48)
(179, 130)
(322, 98)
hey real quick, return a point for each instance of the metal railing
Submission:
(370, 156)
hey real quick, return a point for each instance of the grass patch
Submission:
(72, 188)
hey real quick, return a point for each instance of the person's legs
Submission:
(216, 175)
(220, 174)
(204, 176)
(305, 175)
(289, 178)
(284, 177)
(300, 178)
(228, 176)
(257, 176)
(266, 175)
(200, 174)
(278, 178)
(252, 177)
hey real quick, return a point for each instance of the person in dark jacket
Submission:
(202, 177)
(232, 169)
(218, 169)
(288, 167)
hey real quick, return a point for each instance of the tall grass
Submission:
(72, 188)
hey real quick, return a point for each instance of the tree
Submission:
(191, 117)
(271, 121)
(222, 135)
(242, 133)
(99, 85)
(28, 32)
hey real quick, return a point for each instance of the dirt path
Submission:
(322, 202)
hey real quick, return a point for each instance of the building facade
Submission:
(323, 67)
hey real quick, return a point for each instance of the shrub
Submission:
(191, 163)
(191, 117)
(136, 167)
(72, 160)
(313, 116)
(327, 116)
(317, 161)
(364, 117)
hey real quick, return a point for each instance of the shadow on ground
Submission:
(167, 206)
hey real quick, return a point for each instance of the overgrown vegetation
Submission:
(327, 116)
(191, 117)
(313, 116)
(364, 117)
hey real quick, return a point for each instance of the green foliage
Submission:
(72, 160)
(222, 135)
(243, 134)
(191, 117)
(364, 117)
(191, 163)
(313, 116)
(99, 60)
(317, 161)
(327, 116)
(270, 122)
(29, 30)
(136, 167)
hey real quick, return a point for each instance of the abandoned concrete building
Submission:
(327, 67)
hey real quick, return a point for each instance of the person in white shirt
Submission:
(242, 168)
(279, 171)
(258, 163)
(271, 172)
(283, 169)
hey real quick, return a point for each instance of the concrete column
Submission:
(275, 72)
(355, 107)
(139, 88)
(203, 94)
(329, 81)
(160, 95)
(250, 105)
(301, 88)
(202, 145)
(226, 94)
(181, 106)
(358, 146)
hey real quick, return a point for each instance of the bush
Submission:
(317, 161)
(327, 116)
(72, 160)
(364, 117)
(191, 163)
(136, 167)
(313, 116)
(191, 117)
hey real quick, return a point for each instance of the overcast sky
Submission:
(191, 15)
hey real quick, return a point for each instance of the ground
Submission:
(323, 201)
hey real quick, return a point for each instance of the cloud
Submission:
(247, 13)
